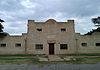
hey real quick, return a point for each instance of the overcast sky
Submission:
(17, 12)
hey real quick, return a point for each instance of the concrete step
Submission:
(54, 58)
(43, 59)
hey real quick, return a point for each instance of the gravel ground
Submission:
(51, 67)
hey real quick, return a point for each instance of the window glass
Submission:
(39, 46)
(39, 29)
(63, 46)
(84, 44)
(97, 44)
(63, 29)
(17, 45)
(3, 45)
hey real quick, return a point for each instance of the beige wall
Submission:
(10, 42)
(51, 30)
(51, 33)
(90, 40)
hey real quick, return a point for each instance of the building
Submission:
(50, 38)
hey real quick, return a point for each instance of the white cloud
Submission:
(28, 4)
(15, 11)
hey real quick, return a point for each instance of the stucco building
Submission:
(50, 38)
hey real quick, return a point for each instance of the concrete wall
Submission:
(10, 42)
(51, 31)
(90, 40)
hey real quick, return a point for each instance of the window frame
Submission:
(3, 45)
(84, 44)
(39, 29)
(97, 44)
(39, 46)
(63, 29)
(63, 46)
(18, 44)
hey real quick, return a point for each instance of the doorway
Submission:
(51, 48)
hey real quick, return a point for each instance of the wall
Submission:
(90, 40)
(10, 45)
(51, 31)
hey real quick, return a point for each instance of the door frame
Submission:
(51, 48)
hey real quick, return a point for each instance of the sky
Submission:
(16, 13)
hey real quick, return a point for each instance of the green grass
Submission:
(18, 59)
(88, 60)
(90, 54)
(33, 59)
(18, 55)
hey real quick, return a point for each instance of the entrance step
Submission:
(54, 58)
(43, 59)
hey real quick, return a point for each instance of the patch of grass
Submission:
(15, 58)
(88, 60)
(90, 54)
(92, 60)
(33, 59)
(18, 55)
(18, 59)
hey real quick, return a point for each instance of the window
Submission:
(84, 44)
(63, 46)
(39, 29)
(2, 45)
(97, 44)
(39, 46)
(63, 29)
(17, 45)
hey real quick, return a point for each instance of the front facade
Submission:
(50, 38)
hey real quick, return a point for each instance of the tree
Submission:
(1, 27)
(96, 21)
(2, 34)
